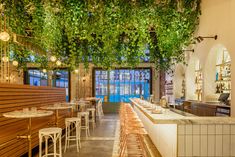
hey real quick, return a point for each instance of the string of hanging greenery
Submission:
(104, 32)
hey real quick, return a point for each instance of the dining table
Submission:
(56, 108)
(27, 114)
(93, 101)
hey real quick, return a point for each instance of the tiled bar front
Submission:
(164, 136)
(212, 140)
(189, 136)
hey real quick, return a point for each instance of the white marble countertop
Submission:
(169, 117)
(27, 114)
(91, 99)
(57, 107)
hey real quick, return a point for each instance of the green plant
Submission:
(107, 32)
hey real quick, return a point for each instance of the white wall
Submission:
(218, 18)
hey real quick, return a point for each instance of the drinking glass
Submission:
(25, 110)
(34, 109)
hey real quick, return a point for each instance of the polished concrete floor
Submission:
(100, 143)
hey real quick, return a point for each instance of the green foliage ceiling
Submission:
(108, 32)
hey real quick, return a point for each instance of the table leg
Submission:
(94, 103)
(29, 137)
(56, 117)
(71, 112)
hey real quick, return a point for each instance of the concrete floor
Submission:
(100, 143)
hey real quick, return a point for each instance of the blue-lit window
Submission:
(61, 80)
(122, 84)
(37, 78)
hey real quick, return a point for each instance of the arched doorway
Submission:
(217, 73)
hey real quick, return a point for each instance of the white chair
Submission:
(92, 120)
(54, 134)
(85, 116)
(70, 123)
(150, 98)
(99, 109)
(82, 106)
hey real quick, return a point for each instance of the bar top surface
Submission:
(170, 117)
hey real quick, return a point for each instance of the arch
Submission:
(178, 78)
(193, 64)
(215, 57)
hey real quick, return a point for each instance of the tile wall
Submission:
(209, 140)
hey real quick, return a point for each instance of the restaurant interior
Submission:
(117, 78)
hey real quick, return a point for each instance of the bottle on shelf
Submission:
(196, 80)
(220, 76)
(229, 86)
(217, 76)
(217, 88)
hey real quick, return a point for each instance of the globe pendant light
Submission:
(44, 70)
(15, 63)
(53, 58)
(5, 59)
(58, 63)
(4, 36)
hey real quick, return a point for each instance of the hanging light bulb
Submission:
(58, 63)
(5, 59)
(4, 36)
(53, 58)
(44, 70)
(15, 63)
(76, 71)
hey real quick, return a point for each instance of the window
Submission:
(121, 84)
(37, 78)
(61, 80)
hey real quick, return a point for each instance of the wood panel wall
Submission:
(16, 97)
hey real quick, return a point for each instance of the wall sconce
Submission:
(201, 38)
(76, 71)
(192, 50)
(83, 78)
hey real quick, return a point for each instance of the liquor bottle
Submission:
(217, 88)
(221, 87)
(216, 76)
(229, 86)
(220, 76)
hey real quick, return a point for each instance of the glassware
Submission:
(56, 105)
(34, 109)
(25, 110)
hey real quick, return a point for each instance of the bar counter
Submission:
(187, 135)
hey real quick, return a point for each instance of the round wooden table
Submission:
(29, 115)
(56, 108)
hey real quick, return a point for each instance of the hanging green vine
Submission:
(106, 32)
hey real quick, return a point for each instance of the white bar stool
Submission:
(99, 110)
(69, 122)
(92, 120)
(82, 107)
(55, 134)
(85, 127)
